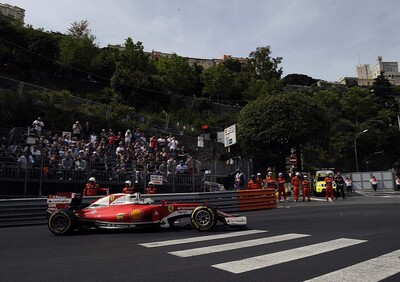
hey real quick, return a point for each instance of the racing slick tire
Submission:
(203, 218)
(62, 222)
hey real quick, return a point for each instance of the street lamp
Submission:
(355, 146)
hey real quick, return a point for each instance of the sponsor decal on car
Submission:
(136, 214)
(120, 216)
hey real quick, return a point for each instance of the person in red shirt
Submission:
(151, 189)
(129, 188)
(296, 186)
(253, 183)
(92, 188)
(306, 187)
(329, 187)
(271, 181)
(281, 187)
(260, 180)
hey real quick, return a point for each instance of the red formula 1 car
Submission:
(128, 211)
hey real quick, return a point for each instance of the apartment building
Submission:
(12, 12)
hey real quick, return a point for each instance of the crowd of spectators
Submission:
(83, 150)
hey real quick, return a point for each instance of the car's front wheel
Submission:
(62, 222)
(203, 218)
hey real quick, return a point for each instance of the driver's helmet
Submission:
(280, 174)
(330, 175)
(305, 176)
(92, 179)
(128, 182)
(151, 183)
(297, 173)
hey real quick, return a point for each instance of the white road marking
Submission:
(375, 269)
(237, 245)
(200, 238)
(262, 261)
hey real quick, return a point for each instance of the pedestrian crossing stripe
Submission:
(375, 269)
(201, 238)
(258, 262)
(237, 245)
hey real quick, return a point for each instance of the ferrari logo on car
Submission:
(170, 209)
(136, 215)
(111, 199)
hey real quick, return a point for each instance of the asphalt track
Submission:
(356, 239)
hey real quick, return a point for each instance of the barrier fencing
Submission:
(21, 212)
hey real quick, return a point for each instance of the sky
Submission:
(324, 39)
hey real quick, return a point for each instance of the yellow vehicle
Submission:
(319, 181)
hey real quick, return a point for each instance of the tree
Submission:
(299, 79)
(218, 83)
(358, 104)
(134, 78)
(81, 29)
(262, 66)
(176, 74)
(278, 122)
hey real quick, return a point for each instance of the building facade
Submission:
(12, 12)
(366, 74)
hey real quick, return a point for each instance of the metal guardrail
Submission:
(22, 212)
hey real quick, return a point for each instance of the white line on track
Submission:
(200, 238)
(237, 245)
(257, 262)
(375, 269)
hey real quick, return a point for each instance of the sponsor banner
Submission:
(157, 179)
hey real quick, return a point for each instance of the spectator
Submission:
(36, 154)
(152, 144)
(128, 138)
(77, 130)
(238, 179)
(161, 143)
(38, 126)
(86, 131)
(374, 183)
(171, 166)
(23, 162)
(339, 186)
(181, 168)
(398, 182)
(120, 148)
(67, 165)
(137, 135)
(80, 164)
(349, 185)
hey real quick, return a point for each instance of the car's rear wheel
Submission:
(62, 222)
(203, 218)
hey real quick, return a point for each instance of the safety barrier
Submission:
(19, 212)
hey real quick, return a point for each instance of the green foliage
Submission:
(262, 66)
(272, 121)
(299, 79)
(176, 75)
